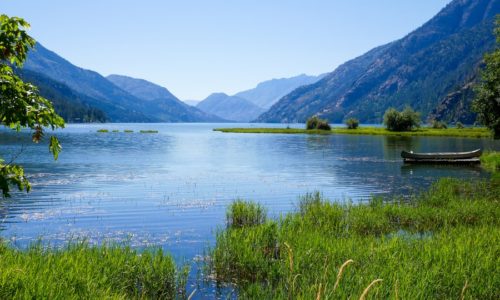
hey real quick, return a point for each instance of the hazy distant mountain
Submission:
(159, 102)
(69, 104)
(191, 102)
(231, 108)
(118, 105)
(266, 93)
(419, 70)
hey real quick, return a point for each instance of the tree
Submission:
(487, 100)
(401, 121)
(21, 105)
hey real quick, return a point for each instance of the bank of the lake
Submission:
(441, 244)
(81, 271)
(474, 132)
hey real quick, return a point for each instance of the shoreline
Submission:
(424, 131)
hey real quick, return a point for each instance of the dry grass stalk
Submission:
(318, 295)
(290, 256)
(341, 270)
(466, 285)
(192, 294)
(365, 292)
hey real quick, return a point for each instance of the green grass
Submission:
(103, 130)
(148, 131)
(424, 131)
(116, 130)
(128, 131)
(491, 161)
(80, 271)
(428, 247)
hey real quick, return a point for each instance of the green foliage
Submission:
(80, 271)
(245, 213)
(438, 124)
(459, 125)
(425, 247)
(103, 130)
(401, 121)
(21, 105)
(487, 101)
(352, 123)
(317, 123)
(128, 131)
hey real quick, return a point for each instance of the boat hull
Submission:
(442, 155)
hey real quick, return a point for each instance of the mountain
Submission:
(230, 107)
(266, 93)
(456, 106)
(191, 102)
(159, 102)
(69, 104)
(118, 104)
(419, 70)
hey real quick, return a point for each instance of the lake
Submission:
(171, 188)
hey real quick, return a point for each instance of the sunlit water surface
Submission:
(171, 188)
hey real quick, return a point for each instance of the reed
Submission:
(422, 247)
(81, 271)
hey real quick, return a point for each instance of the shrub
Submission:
(439, 125)
(245, 213)
(323, 125)
(317, 123)
(401, 121)
(459, 125)
(312, 123)
(352, 123)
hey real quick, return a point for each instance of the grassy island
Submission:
(476, 132)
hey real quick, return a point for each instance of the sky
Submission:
(196, 47)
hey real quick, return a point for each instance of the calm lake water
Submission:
(171, 189)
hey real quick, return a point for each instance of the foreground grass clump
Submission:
(244, 213)
(423, 131)
(80, 271)
(148, 131)
(441, 244)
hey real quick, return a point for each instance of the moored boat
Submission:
(443, 157)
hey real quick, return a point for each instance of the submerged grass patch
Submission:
(87, 272)
(424, 131)
(148, 131)
(443, 243)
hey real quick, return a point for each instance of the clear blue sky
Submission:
(195, 48)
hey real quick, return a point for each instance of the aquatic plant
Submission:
(103, 130)
(128, 131)
(81, 271)
(148, 131)
(245, 213)
(426, 247)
